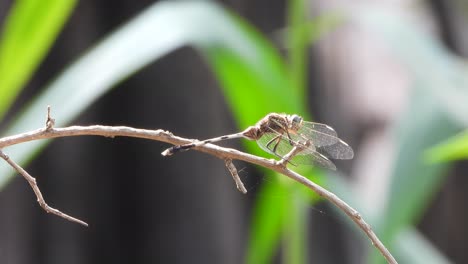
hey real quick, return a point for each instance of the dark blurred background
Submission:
(143, 208)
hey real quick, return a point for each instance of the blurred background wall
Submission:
(143, 208)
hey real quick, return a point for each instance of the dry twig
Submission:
(32, 181)
(235, 175)
(220, 152)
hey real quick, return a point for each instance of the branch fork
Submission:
(226, 154)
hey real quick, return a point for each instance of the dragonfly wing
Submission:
(323, 128)
(312, 157)
(275, 143)
(339, 150)
(322, 138)
(279, 145)
(319, 134)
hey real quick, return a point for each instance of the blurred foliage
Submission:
(28, 33)
(455, 148)
(434, 113)
(252, 75)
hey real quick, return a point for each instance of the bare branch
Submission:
(32, 182)
(220, 152)
(233, 170)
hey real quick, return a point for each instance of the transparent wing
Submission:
(312, 157)
(319, 134)
(279, 145)
(323, 128)
(275, 144)
(339, 150)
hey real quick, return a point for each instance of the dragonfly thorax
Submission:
(272, 123)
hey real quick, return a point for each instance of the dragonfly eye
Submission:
(296, 119)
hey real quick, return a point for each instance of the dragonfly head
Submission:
(295, 122)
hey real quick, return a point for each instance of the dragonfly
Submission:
(279, 135)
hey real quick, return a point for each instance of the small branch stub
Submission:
(235, 175)
(50, 122)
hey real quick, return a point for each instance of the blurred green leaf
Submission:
(250, 69)
(408, 244)
(438, 71)
(295, 229)
(414, 182)
(252, 90)
(265, 229)
(28, 33)
(297, 39)
(411, 245)
(454, 148)
(321, 25)
(436, 110)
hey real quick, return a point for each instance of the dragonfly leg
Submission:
(277, 143)
(290, 139)
(271, 141)
(277, 139)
